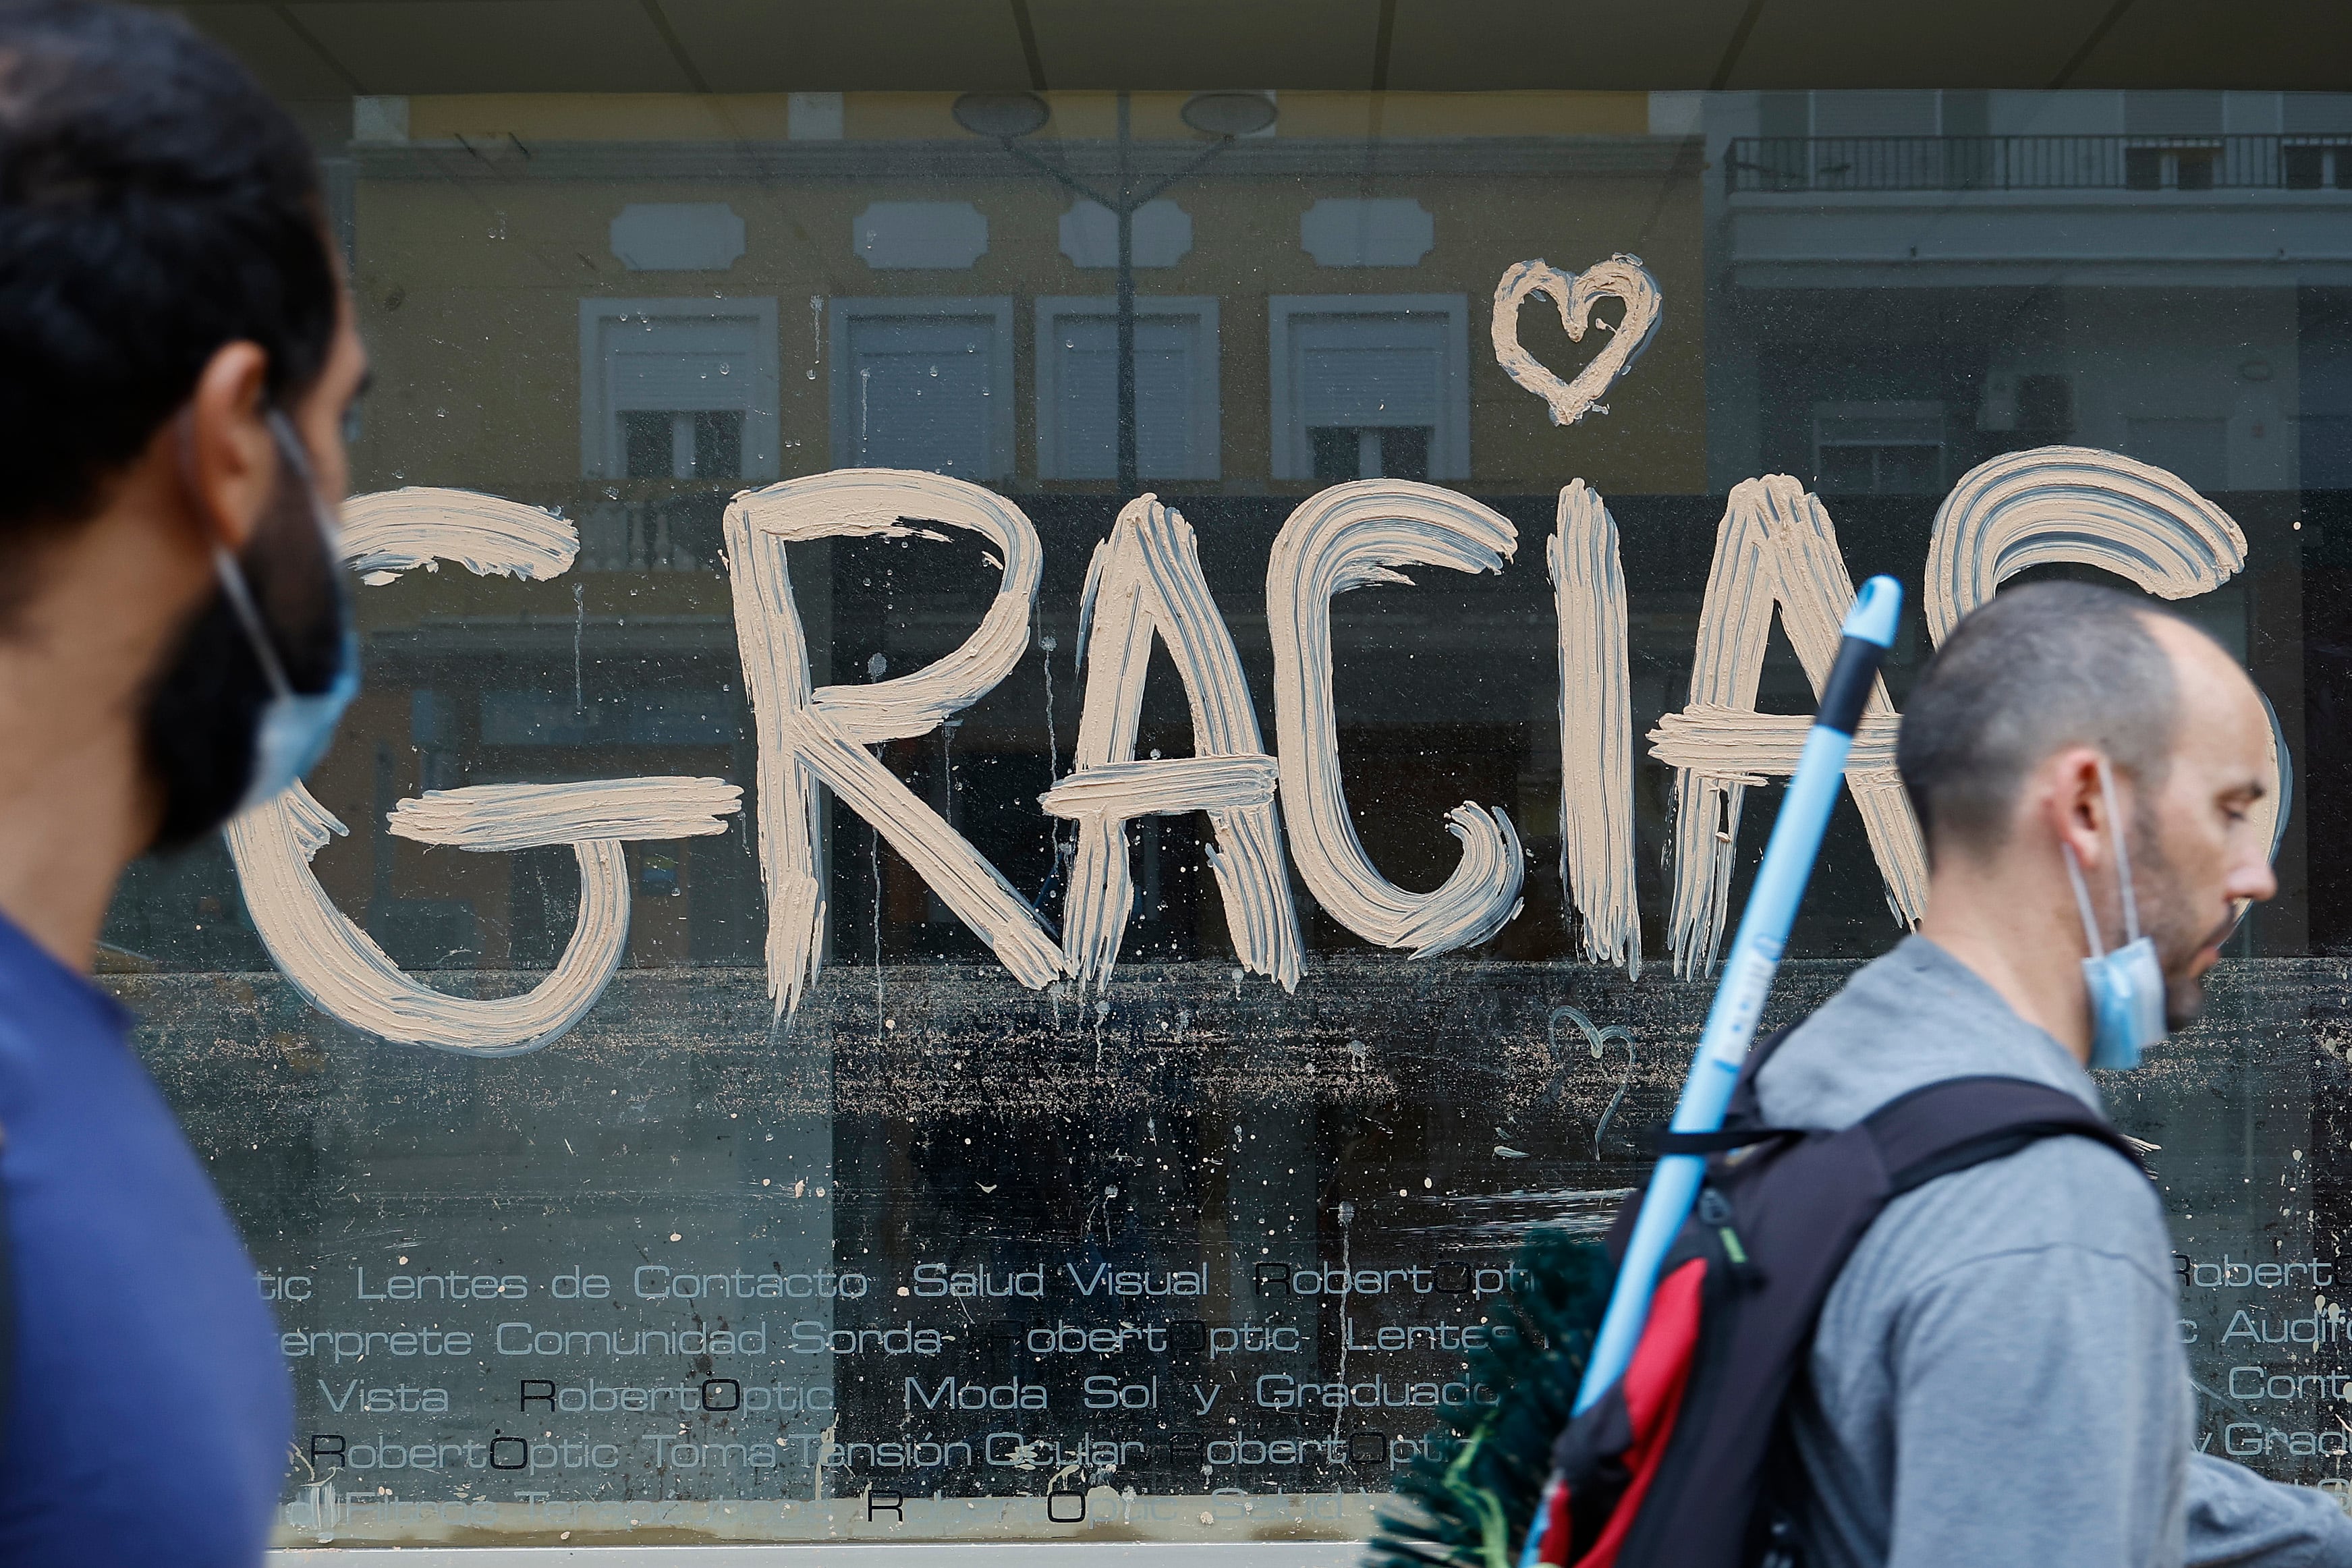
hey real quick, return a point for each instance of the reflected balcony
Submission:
(1954, 211)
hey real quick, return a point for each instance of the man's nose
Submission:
(2254, 879)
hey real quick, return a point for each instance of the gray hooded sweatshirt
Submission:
(1998, 1380)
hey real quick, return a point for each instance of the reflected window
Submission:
(2316, 165)
(1878, 449)
(924, 384)
(1176, 425)
(678, 389)
(2326, 451)
(1371, 452)
(2190, 124)
(2317, 150)
(2171, 167)
(1370, 385)
(664, 444)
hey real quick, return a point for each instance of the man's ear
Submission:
(2072, 805)
(228, 463)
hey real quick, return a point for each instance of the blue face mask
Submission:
(2126, 985)
(295, 727)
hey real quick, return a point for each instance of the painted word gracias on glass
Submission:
(1775, 549)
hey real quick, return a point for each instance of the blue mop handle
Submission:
(1789, 855)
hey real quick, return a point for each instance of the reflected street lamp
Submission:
(1006, 117)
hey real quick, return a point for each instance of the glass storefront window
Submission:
(848, 979)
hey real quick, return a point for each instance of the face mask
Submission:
(251, 698)
(2126, 985)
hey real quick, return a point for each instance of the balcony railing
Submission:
(2039, 163)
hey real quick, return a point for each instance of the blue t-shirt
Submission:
(150, 1413)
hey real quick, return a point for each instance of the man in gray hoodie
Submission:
(1997, 1379)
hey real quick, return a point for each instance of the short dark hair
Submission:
(2044, 666)
(155, 204)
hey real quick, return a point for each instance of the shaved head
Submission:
(2043, 667)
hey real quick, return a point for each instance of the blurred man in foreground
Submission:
(176, 360)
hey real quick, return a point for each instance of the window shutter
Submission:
(683, 365)
(1370, 370)
(1089, 396)
(920, 390)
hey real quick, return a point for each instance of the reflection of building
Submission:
(765, 286)
(1909, 281)
(671, 393)
(1904, 283)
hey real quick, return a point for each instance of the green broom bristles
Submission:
(1468, 1502)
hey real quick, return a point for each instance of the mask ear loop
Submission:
(2082, 901)
(241, 600)
(298, 457)
(290, 445)
(2123, 855)
(232, 577)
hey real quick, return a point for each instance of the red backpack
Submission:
(1681, 1464)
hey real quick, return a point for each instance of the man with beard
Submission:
(1996, 1376)
(176, 360)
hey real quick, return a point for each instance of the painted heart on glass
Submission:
(1596, 1040)
(1619, 277)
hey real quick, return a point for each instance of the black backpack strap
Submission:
(1742, 1123)
(1963, 1122)
(1742, 1126)
(1741, 1112)
(1666, 1141)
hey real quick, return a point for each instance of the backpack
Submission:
(1683, 1463)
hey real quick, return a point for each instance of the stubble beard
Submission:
(2180, 933)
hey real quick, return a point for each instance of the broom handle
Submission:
(1772, 903)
